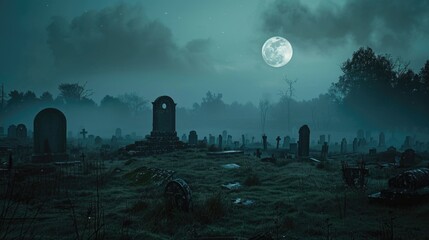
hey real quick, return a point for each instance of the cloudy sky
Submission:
(188, 47)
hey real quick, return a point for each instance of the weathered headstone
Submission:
(355, 145)
(114, 140)
(229, 141)
(360, 134)
(293, 148)
(21, 132)
(368, 135)
(220, 141)
(50, 128)
(92, 137)
(343, 146)
(98, 140)
(286, 142)
(264, 142)
(11, 131)
(258, 153)
(118, 133)
(224, 136)
(127, 137)
(381, 140)
(304, 141)
(212, 140)
(193, 138)
(184, 138)
(325, 151)
(322, 139)
(407, 143)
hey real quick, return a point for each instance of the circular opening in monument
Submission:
(164, 106)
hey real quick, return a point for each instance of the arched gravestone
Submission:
(164, 117)
(163, 137)
(21, 132)
(50, 128)
(304, 141)
(193, 138)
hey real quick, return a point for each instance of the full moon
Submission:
(277, 51)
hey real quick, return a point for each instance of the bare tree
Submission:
(287, 94)
(135, 103)
(264, 105)
(74, 92)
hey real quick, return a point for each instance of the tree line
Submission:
(373, 91)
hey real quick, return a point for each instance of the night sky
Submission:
(186, 48)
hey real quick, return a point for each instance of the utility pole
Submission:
(2, 98)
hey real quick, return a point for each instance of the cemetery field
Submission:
(123, 199)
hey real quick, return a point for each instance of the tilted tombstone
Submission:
(50, 128)
(343, 146)
(286, 142)
(11, 131)
(21, 132)
(193, 138)
(304, 141)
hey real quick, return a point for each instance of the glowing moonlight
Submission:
(277, 51)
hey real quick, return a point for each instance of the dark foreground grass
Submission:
(292, 200)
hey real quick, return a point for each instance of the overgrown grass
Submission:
(291, 198)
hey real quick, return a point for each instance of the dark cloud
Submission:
(120, 38)
(383, 23)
